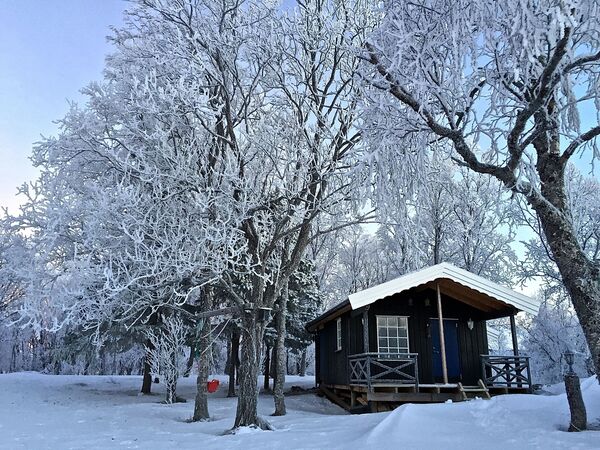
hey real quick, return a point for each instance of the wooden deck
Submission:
(359, 399)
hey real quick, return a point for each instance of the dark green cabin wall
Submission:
(333, 365)
(472, 343)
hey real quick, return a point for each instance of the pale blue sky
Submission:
(49, 49)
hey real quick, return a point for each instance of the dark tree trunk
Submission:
(234, 356)
(279, 383)
(247, 407)
(273, 369)
(228, 361)
(147, 377)
(190, 361)
(13, 358)
(303, 363)
(102, 357)
(576, 405)
(267, 370)
(204, 346)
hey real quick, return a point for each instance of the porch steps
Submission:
(480, 390)
(334, 397)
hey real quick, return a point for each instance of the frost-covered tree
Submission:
(583, 198)
(502, 86)
(362, 262)
(483, 227)
(167, 355)
(304, 304)
(203, 157)
(135, 208)
(552, 332)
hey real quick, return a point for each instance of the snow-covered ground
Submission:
(89, 412)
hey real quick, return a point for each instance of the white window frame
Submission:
(388, 347)
(338, 334)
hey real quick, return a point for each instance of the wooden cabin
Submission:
(421, 337)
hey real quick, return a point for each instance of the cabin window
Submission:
(392, 334)
(338, 333)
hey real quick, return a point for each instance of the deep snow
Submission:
(75, 412)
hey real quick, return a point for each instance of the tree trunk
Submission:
(171, 386)
(247, 407)
(303, 363)
(279, 383)
(273, 369)
(147, 378)
(102, 358)
(266, 383)
(190, 361)
(576, 405)
(204, 346)
(170, 377)
(235, 358)
(13, 358)
(228, 361)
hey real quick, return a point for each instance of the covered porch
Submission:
(395, 378)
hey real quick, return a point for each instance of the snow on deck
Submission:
(63, 412)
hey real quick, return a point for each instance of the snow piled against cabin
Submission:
(71, 412)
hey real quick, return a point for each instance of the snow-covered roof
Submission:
(450, 272)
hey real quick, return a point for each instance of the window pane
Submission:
(392, 334)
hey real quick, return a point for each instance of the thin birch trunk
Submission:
(279, 383)
(266, 382)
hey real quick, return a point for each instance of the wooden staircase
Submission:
(468, 392)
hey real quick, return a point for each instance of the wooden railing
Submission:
(506, 371)
(379, 368)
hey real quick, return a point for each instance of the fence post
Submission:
(483, 371)
(369, 372)
(416, 359)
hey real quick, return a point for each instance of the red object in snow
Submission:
(212, 386)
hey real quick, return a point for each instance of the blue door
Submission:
(452, 349)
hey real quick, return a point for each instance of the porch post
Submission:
(513, 332)
(317, 360)
(442, 337)
(365, 318)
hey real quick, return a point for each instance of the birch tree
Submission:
(167, 354)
